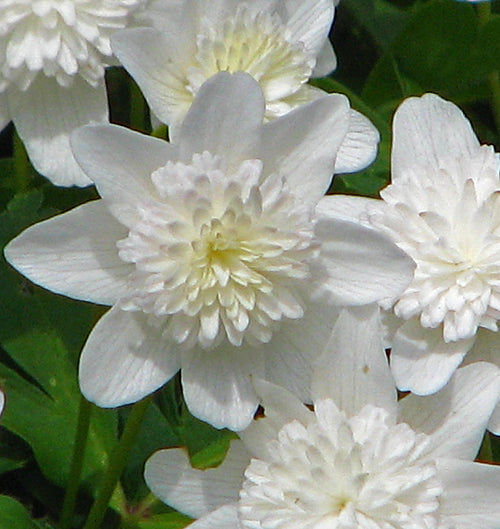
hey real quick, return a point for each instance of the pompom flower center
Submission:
(342, 473)
(254, 42)
(449, 223)
(59, 38)
(218, 253)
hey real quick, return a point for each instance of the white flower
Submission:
(443, 209)
(359, 460)
(52, 59)
(211, 252)
(281, 44)
(2, 401)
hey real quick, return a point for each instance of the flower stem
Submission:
(138, 109)
(116, 464)
(82, 431)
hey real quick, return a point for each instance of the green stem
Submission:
(116, 464)
(486, 453)
(82, 431)
(138, 109)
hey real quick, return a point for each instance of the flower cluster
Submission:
(221, 256)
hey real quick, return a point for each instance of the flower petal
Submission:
(2, 401)
(4, 112)
(359, 147)
(46, 114)
(224, 119)
(421, 361)
(345, 207)
(291, 353)
(74, 254)
(217, 384)
(309, 22)
(149, 55)
(170, 476)
(326, 62)
(120, 161)
(456, 417)
(354, 371)
(125, 359)
(428, 130)
(280, 407)
(360, 265)
(303, 144)
(470, 500)
(225, 517)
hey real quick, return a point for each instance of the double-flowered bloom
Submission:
(215, 252)
(52, 59)
(359, 460)
(443, 209)
(280, 43)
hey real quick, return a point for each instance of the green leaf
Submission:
(13, 515)
(43, 334)
(171, 520)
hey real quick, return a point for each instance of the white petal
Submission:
(360, 265)
(428, 130)
(217, 384)
(46, 114)
(472, 491)
(310, 22)
(170, 476)
(74, 254)
(326, 61)
(303, 144)
(359, 148)
(345, 207)
(280, 407)
(224, 118)
(2, 401)
(354, 371)
(120, 161)
(226, 517)
(421, 361)
(148, 55)
(293, 349)
(125, 359)
(485, 349)
(456, 417)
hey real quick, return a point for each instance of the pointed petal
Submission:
(346, 207)
(360, 265)
(217, 384)
(280, 407)
(151, 56)
(74, 254)
(421, 361)
(428, 130)
(303, 144)
(225, 517)
(46, 114)
(359, 148)
(292, 351)
(471, 494)
(326, 62)
(120, 161)
(309, 22)
(170, 476)
(225, 117)
(125, 359)
(456, 417)
(354, 371)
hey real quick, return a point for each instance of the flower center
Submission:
(251, 41)
(218, 255)
(336, 472)
(449, 224)
(59, 38)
